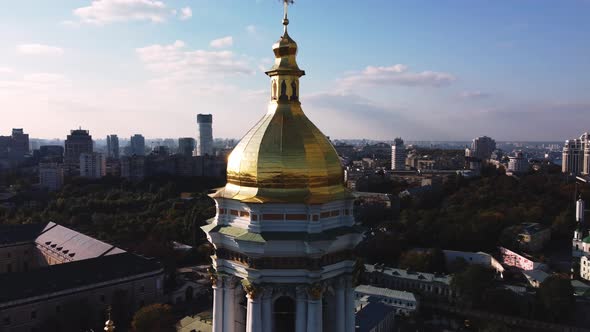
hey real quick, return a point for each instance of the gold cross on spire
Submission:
(286, 9)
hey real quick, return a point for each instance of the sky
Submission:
(377, 69)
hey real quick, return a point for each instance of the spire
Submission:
(286, 10)
(285, 72)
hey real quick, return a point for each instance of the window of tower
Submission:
(273, 216)
(284, 314)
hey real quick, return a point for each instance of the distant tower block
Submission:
(205, 134)
(580, 206)
(398, 155)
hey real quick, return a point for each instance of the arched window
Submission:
(283, 90)
(284, 314)
(294, 91)
(274, 89)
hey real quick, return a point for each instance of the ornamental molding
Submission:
(315, 291)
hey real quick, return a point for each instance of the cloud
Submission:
(109, 11)
(39, 49)
(336, 111)
(473, 95)
(186, 13)
(251, 29)
(222, 42)
(396, 75)
(6, 70)
(70, 24)
(174, 63)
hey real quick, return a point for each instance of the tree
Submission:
(556, 298)
(471, 284)
(154, 318)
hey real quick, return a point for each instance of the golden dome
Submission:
(284, 158)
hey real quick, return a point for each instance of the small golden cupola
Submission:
(284, 158)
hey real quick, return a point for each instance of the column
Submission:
(229, 304)
(314, 308)
(339, 294)
(267, 310)
(217, 304)
(254, 315)
(301, 309)
(349, 313)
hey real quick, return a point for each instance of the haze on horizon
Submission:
(422, 70)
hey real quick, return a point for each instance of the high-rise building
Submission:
(92, 165)
(113, 146)
(205, 134)
(51, 153)
(482, 148)
(133, 167)
(20, 145)
(137, 144)
(576, 156)
(518, 163)
(186, 146)
(398, 155)
(51, 176)
(284, 230)
(14, 148)
(78, 141)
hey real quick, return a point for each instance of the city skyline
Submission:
(429, 71)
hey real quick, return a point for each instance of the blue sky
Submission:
(423, 70)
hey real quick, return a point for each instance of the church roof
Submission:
(586, 239)
(284, 158)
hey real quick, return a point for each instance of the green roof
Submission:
(586, 239)
(241, 234)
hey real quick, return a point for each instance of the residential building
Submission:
(54, 272)
(398, 155)
(51, 176)
(478, 258)
(20, 142)
(482, 147)
(585, 267)
(133, 167)
(375, 317)
(186, 146)
(576, 156)
(137, 145)
(14, 148)
(113, 147)
(535, 277)
(520, 261)
(532, 237)
(404, 302)
(93, 165)
(518, 163)
(51, 153)
(205, 135)
(431, 285)
(78, 141)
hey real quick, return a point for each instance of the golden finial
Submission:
(286, 10)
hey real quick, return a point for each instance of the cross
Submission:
(286, 9)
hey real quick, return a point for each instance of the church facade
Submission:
(284, 231)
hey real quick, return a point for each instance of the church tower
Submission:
(284, 232)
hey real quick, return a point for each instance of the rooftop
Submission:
(406, 274)
(20, 233)
(60, 277)
(385, 292)
(371, 315)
